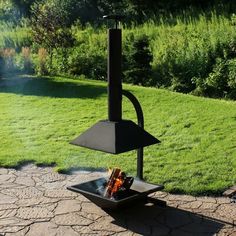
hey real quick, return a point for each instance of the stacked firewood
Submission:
(118, 181)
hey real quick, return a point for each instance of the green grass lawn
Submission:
(197, 154)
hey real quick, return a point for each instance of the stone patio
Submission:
(34, 202)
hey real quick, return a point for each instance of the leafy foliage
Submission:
(137, 58)
(1, 65)
(49, 26)
(23, 6)
(185, 54)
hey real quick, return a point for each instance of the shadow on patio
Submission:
(155, 220)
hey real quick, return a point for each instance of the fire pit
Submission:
(138, 191)
(116, 135)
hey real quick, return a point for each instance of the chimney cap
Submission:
(116, 18)
(113, 17)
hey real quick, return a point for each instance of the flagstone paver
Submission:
(34, 201)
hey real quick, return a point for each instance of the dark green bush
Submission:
(221, 80)
(89, 63)
(137, 60)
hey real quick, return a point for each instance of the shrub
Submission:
(9, 56)
(41, 67)
(89, 63)
(137, 60)
(27, 63)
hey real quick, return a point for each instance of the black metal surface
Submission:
(114, 75)
(115, 137)
(92, 191)
(140, 117)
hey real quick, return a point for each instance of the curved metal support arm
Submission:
(137, 107)
(140, 118)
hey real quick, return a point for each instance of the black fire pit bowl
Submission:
(93, 190)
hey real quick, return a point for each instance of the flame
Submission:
(115, 182)
(118, 184)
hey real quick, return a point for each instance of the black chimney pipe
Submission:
(116, 135)
(114, 75)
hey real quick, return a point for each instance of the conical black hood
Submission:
(115, 137)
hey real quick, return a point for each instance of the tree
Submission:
(24, 6)
(138, 58)
(50, 25)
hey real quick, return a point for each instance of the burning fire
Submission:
(117, 181)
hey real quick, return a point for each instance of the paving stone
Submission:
(67, 206)
(27, 181)
(106, 224)
(7, 178)
(6, 199)
(7, 213)
(209, 206)
(59, 193)
(81, 198)
(181, 198)
(207, 199)
(217, 217)
(46, 208)
(227, 210)
(8, 206)
(227, 231)
(8, 185)
(138, 227)
(89, 216)
(206, 226)
(160, 194)
(176, 218)
(21, 232)
(84, 230)
(3, 171)
(34, 213)
(22, 193)
(13, 221)
(230, 192)
(125, 233)
(81, 230)
(35, 201)
(53, 185)
(71, 219)
(33, 169)
(43, 229)
(11, 229)
(191, 205)
(89, 207)
(52, 177)
(50, 229)
(12, 171)
(222, 200)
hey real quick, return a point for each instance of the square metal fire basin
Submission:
(93, 190)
